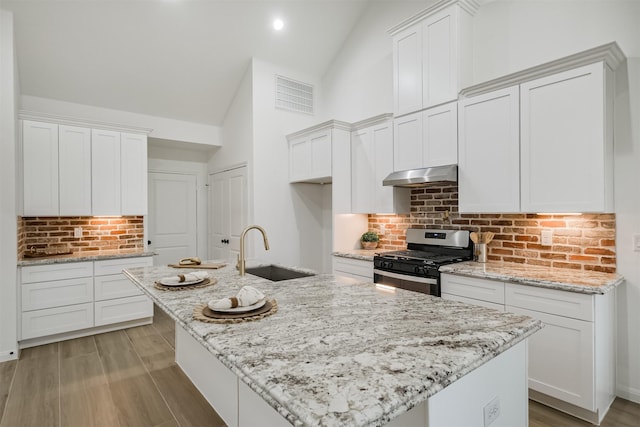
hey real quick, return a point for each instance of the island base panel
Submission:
(460, 404)
(214, 380)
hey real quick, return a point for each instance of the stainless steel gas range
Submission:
(416, 268)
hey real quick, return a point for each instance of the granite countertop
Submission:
(361, 254)
(61, 259)
(587, 282)
(340, 353)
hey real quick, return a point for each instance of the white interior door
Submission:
(172, 216)
(227, 212)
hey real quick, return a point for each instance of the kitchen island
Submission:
(348, 354)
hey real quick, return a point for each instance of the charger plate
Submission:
(206, 282)
(203, 313)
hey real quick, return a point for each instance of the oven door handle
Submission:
(429, 281)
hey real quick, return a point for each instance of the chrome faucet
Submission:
(241, 261)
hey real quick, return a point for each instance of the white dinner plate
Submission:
(241, 309)
(175, 281)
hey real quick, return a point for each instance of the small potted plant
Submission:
(369, 240)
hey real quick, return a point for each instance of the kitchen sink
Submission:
(276, 273)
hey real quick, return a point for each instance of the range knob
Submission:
(387, 264)
(418, 270)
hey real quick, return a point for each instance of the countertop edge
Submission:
(463, 269)
(63, 259)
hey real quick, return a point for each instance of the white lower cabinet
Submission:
(63, 298)
(116, 298)
(572, 359)
(561, 358)
(354, 268)
(50, 321)
(122, 310)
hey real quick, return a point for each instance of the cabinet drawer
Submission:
(45, 273)
(56, 293)
(115, 266)
(122, 310)
(551, 301)
(114, 286)
(357, 267)
(474, 288)
(471, 301)
(40, 323)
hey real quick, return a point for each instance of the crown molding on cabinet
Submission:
(336, 124)
(609, 53)
(371, 121)
(469, 6)
(72, 121)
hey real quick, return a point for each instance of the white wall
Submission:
(517, 34)
(9, 91)
(162, 128)
(291, 214)
(359, 83)
(627, 200)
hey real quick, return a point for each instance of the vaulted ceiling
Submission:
(179, 59)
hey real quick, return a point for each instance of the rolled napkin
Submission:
(247, 296)
(196, 276)
(192, 277)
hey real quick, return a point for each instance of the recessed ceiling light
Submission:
(278, 24)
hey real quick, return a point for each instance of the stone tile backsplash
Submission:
(100, 235)
(581, 242)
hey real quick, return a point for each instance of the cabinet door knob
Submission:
(148, 242)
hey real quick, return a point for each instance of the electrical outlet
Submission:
(547, 237)
(491, 411)
(77, 232)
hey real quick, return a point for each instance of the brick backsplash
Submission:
(582, 242)
(100, 235)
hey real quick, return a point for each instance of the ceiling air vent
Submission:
(294, 96)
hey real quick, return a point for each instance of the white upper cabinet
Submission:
(74, 170)
(133, 173)
(78, 171)
(432, 55)
(310, 157)
(311, 152)
(371, 162)
(440, 135)
(407, 70)
(440, 57)
(426, 138)
(567, 141)
(489, 155)
(407, 144)
(564, 136)
(105, 172)
(40, 168)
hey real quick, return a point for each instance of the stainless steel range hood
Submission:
(420, 177)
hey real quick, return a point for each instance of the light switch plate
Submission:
(546, 238)
(636, 242)
(77, 232)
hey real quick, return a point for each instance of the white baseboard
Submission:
(629, 393)
(5, 356)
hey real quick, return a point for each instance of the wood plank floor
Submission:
(130, 378)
